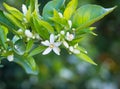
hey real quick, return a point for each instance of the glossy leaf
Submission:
(71, 7)
(3, 37)
(89, 14)
(86, 58)
(50, 6)
(27, 63)
(36, 51)
(20, 47)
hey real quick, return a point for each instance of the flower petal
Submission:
(52, 38)
(76, 51)
(28, 33)
(57, 44)
(46, 43)
(56, 50)
(48, 50)
(65, 44)
(71, 48)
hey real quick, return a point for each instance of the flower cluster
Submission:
(55, 29)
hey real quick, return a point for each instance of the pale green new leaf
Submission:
(71, 7)
(13, 11)
(14, 20)
(44, 34)
(27, 63)
(36, 51)
(89, 14)
(4, 20)
(86, 58)
(46, 25)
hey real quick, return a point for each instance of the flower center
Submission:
(51, 45)
(71, 36)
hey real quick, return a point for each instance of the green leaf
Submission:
(33, 5)
(71, 7)
(57, 19)
(89, 14)
(82, 49)
(14, 20)
(27, 63)
(37, 51)
(46, 25)
(6, 21)
(20, 47)
(3, 37)
(85, 30)
(29, 45)
(86, 58)
(40, 29)
(13, 11)
(50, 6)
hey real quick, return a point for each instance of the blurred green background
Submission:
(66, 71)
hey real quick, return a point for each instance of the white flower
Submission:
(10, 57)
(65, 44)
(8, 39)
(51, 45)
(24, 9)
(20, 31)
(73, 29)
(60, 14)
(69, 36)
(37, 36)
(74, 50)
(70, 23)
(28, 33)
(62, 32)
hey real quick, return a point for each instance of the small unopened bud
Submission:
(71, 48)
(70, 23)
(24, 9)
(60, 14)
(65, 44)
(10, 57)
(28, 33)
(62, 32)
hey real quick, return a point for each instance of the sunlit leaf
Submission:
(14, 20)
(71, 7)
(89, 14)
(46, 25)
(86, 58)
(40, 30)
(16, 13)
